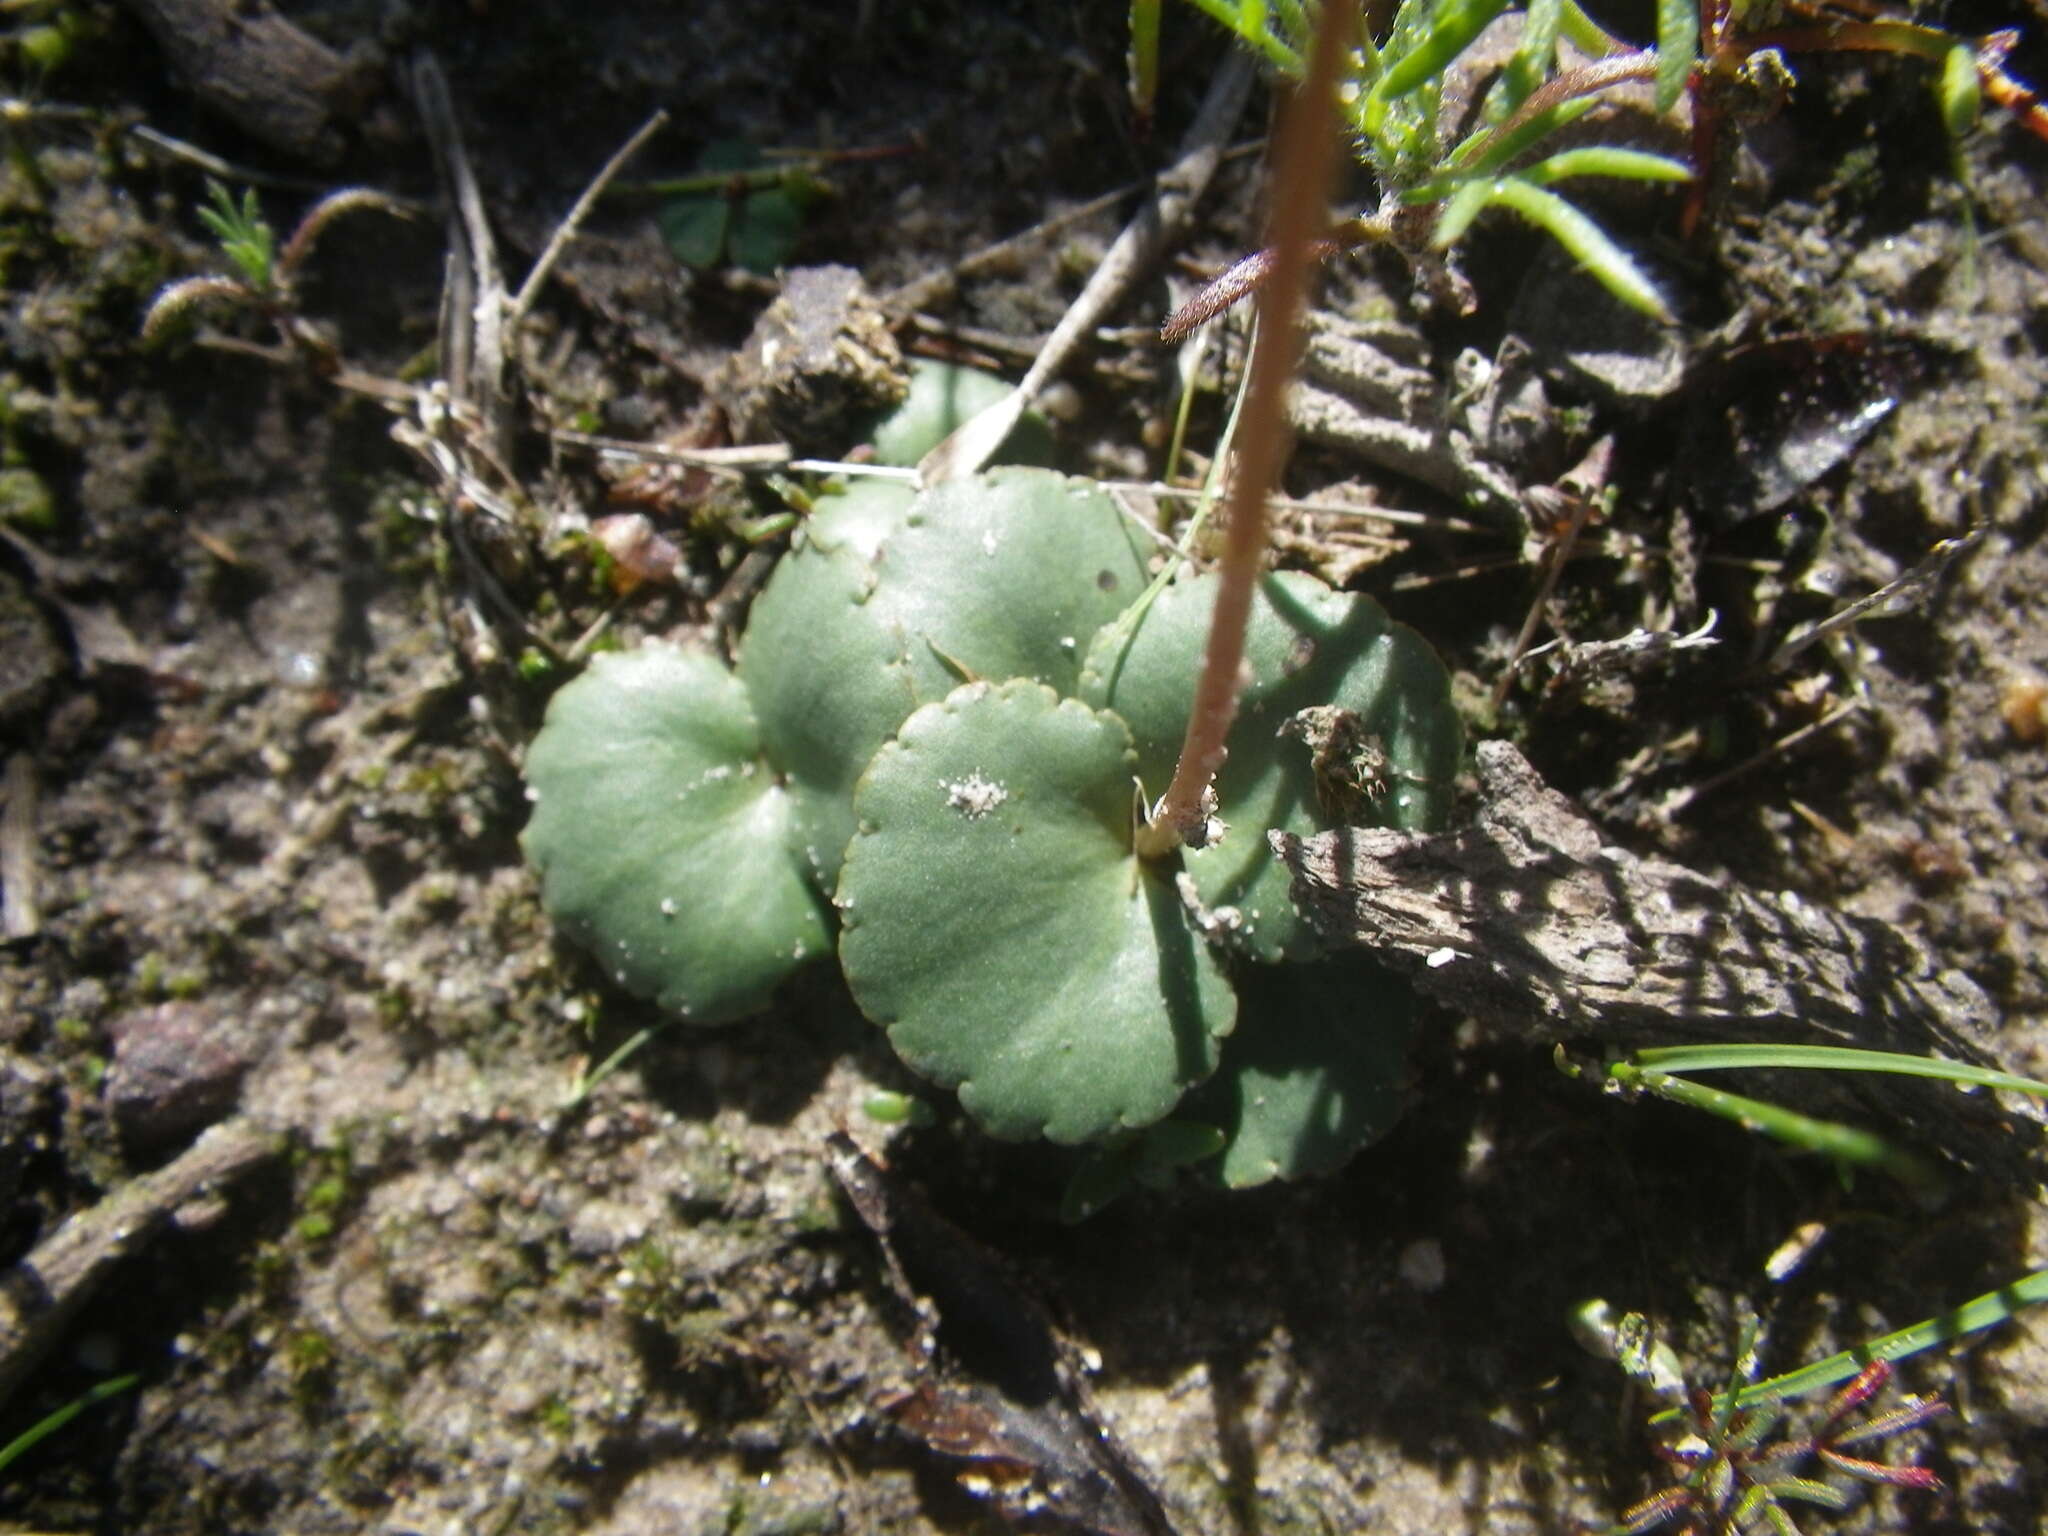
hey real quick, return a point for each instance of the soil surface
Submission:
(265, 682)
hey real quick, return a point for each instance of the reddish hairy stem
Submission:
(1244, 277)
(1301, 175)
(1561, 88)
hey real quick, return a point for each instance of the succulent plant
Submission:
(943, 706)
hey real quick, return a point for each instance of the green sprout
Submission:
(932, 751)
(1439, 170)
(740, 206)
(50, 1423)
(245, 236)
(1739, 1456)
(265, 275)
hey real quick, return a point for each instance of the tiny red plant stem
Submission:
(1306, 146)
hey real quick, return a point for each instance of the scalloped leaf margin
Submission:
(662, 840)
(996, 922)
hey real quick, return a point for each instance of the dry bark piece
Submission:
(20, 912)
(997, 1389)
(1526, 921)
(265, 75)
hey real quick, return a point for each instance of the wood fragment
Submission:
(270, 78)
(558, 242)
(20, 913)
(40, 1295)
(1681, 800)
(995, 1390)
(473, 303)
(1526, 921)
(1896, 596)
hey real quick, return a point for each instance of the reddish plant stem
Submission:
(1301, 175)
(1586, 80)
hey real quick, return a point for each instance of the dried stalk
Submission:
(1301, 173)
(1161, 220)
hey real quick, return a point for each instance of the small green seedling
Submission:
(943, 713)
(1438, 167)
(265, 275)
(1739, 1457)
(244, 236)
(740, 207)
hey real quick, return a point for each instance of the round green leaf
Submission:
(883, 608)
(996, 922)
(764, 230)
(1007, 574)
(1313, 1072)
(827, 681)
(1381, 749)
(858, 519)
(695, 229)
(662, 840)
(943, 396)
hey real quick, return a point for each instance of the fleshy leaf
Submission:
(1370, 736)
(1149, 1157)
(997, 923)
(828, 683)
(698, 226)
(942, 396)
(1313, 1071)
(695, 230)
(765, 229)
(662, 840)
(1007, 574)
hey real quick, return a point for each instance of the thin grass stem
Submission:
(1985, 1311)
(1836, 1058)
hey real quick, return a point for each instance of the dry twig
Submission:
(40, 1295)
(1161, 220)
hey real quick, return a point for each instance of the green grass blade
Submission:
(1460, 209)
(1583, 32)
(1455, 27)
(1142, 60)
(1806, 1490)
(1607, 160)
(1247, 22)
(1587, 242)
(1845, 1144)
(1975, 1316)
(48, 1425)
(1535, 58)
(1539, 34)
(1296, 25)
(1487, 151)
(582, 1088)
(1678, 38)
(1836, 1058)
